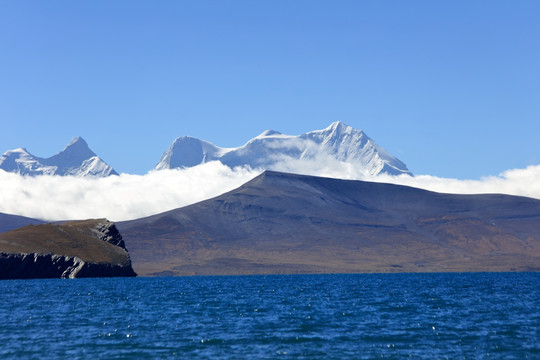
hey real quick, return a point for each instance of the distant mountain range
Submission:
(76, 159)
(271, 150)
(286, 223)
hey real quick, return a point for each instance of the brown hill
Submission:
(284, 223)
(87, 248)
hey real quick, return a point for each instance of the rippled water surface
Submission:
(395, 316)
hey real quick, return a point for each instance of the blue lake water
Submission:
(389, 316)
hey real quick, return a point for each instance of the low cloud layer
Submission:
(117, 198)
(127, 197)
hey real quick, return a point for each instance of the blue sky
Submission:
(451, 88)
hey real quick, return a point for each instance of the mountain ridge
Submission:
(76, 159)
(271, 150)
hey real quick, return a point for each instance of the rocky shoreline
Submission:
(45, 266)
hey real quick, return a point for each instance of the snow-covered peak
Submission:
(73, 155)
(272, 150)
(20, 150)
(336, 129)
(78, 146)
(187, 151)
(77, 141)
(76, 159)
(268, 133)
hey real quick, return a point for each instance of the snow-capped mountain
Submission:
(272, 150)
(76, 159)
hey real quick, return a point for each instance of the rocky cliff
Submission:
(89, 248)
(44, 266)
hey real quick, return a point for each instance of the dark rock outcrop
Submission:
(44, 266)
(89, 248)
(109, 233)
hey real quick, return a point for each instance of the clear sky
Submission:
(452, 88)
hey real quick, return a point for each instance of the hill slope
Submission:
(11, 222)
(284, 223)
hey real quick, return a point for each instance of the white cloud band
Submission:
(127, 197)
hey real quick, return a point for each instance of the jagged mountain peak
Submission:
(73, 154)
(77, 140)
(339, 127)
(76, 159)
(78, 144)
